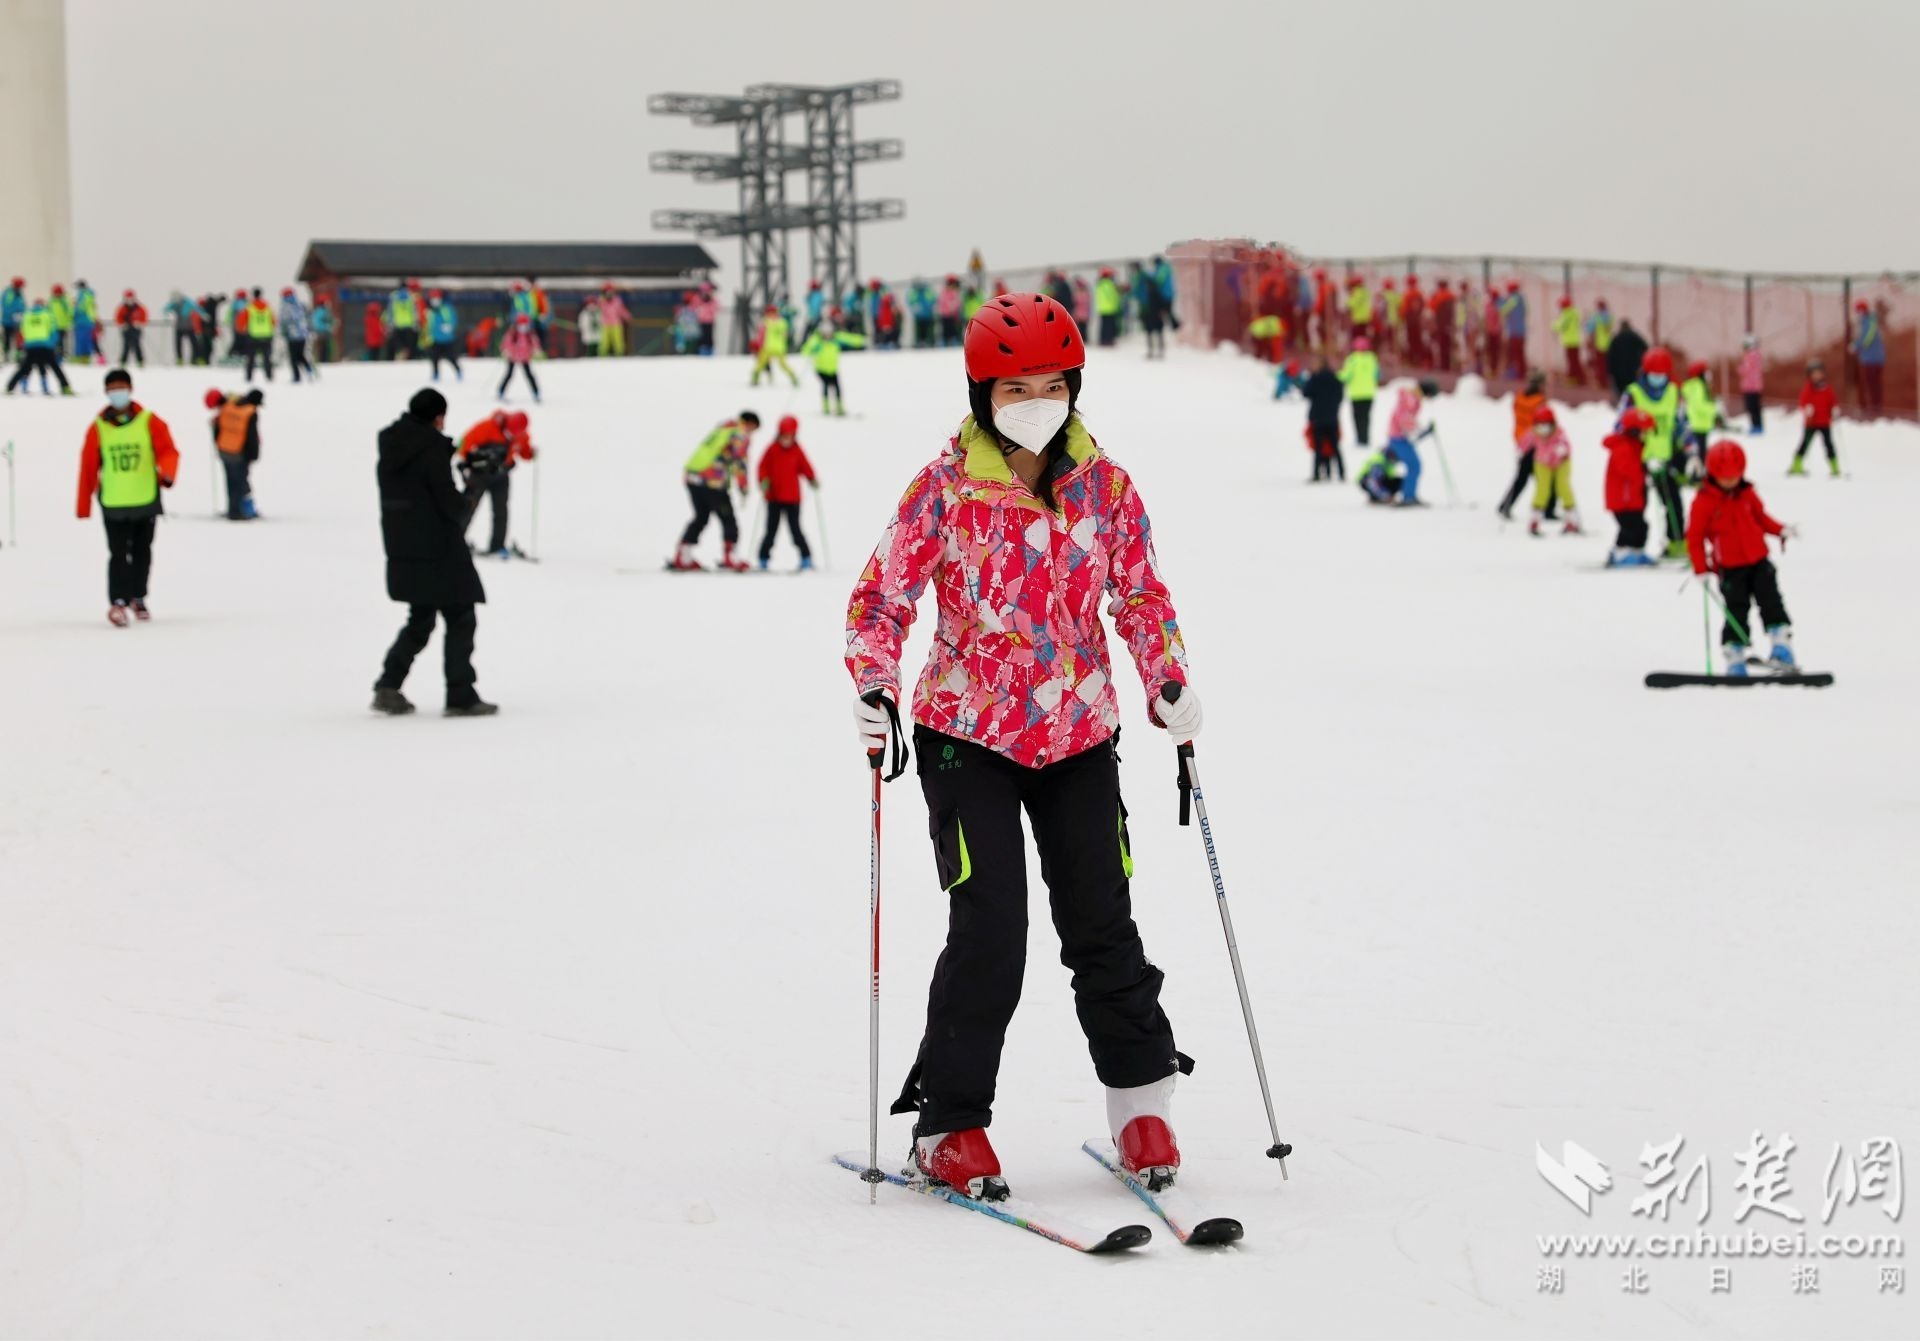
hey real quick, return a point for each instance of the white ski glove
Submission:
(872, 722)
(1182, 718)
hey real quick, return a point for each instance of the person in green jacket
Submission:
(1702, 416)
(1359, 311)
(824, 347)
(773, 347)
(40, 348)
(1567, 325)
(1108, 303)
(60, 307)
(1655, 393)
(403, 322)
(1361, 374)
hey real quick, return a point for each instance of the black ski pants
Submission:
(830, 390)
(1757, 583)
(1753, 411)
(402, 341)
(41, 357)
(9, 340)
(412, 642)
(789, 513)
(526, 368)
(132, 350)
(297, 356)
(974, 800)
(129, 558)
(1326, 451)
(1665, 486)
(239, 488)
(1362, 421)
(710, 503)
(1806, 440)
(497, 488)
(449, 352)
(263, 351)
(1633, 530)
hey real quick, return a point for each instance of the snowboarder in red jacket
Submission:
(1627, 489)
(782, 466)
(1817, 407)
(1727, 534)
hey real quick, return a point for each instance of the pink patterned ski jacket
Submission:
(1019, 661)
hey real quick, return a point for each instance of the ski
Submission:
(1013, 1211)
(1678, 679)
(1171, 1204)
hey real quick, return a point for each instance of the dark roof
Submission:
(504, 260)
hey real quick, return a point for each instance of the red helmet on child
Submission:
(1361, 344)
(789, 426)
(1544, 418)
(1636, 420)
(1566, 302)
(1387, 284)
(517, 422)
(1726, 460)
(214, 398)
(1861, 306)
(1657, 362)
(1698, 368)
(1019, 334)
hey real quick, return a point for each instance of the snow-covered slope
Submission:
(316, 1024)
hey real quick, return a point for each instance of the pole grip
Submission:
(1182, 753)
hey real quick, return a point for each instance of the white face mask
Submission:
(1031, 422)
(120, 400)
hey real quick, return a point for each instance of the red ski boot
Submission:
(964, 1161)
(140, 611)
(117, 614)
(1141, 1133)
(684, 562)
(733, 563)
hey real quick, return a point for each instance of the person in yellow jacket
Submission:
(720, 461)
(127, 459)
(1108, 303)
(61, 307)
(824, 347)
(259, 323)
(772, 342)
(1359, 310)
(1361, 375)
(1567, 325)
(1700, 409)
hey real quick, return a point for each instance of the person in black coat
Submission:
(1623, 357)
(1324, 390)
(423, 523)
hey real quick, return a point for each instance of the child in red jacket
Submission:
(1817, 406)
(1727, 533)
(782, 466)
(1627, 490)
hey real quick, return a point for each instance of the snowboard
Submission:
(1681, 679)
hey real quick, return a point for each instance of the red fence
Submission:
(1699, 314)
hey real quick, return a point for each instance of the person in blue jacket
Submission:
(1149, 299)
(13, 310)
(920, 301)
(1163, 280)
(816, 307)
(295, 327)
(1513, 321)
(443, 330)
(40, 340)
(86, 322)
(321, 318)
(1870, 352)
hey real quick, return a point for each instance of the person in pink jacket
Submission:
(1753, 381)
(706, 311)
(518, 347)
(1025, 530)
(947, 308)
(613, 323)
(1552, 472)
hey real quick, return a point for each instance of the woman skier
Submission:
(1025, 529)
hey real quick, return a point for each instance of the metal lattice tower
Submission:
(832, 212)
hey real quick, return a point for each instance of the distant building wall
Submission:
(36, 209)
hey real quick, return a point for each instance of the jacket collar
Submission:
(982, 459)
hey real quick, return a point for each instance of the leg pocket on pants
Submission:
(950, 854)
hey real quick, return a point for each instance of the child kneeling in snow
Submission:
(1380, 477)
(1402, 432)
(1727, 534)
(1552, 472)
(1627, 489)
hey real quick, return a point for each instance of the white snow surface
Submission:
(315, 1023)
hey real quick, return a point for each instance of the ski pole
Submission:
(1738, 626)
(873, 1177)
(820, 521)
(1190, 790)
(1446, 471)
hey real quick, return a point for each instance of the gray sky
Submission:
(213, 138)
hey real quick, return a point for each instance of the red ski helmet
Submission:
(1726, 460)
(1657, 362)
(1361, 344)
(1545, 418)
(1513, 286)
(788, 425)
(214, 398)
(128, 295)
(517, 422)
(59, 288)
(1860, 306)
(1698, 368)
(19, 282)
(1387, 285)
(1019, 334)
(1636, 420)
(1566, 302)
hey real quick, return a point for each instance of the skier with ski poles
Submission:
(1022, 514)
(1656, 396)
(1727, 534)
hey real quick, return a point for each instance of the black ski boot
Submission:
(477, 708)
(391, 701)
